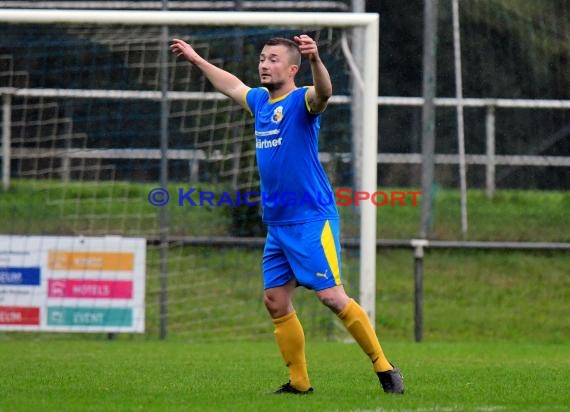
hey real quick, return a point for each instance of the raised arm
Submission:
(319, 95)
(223, 81)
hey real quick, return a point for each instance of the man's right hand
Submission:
(181, 48)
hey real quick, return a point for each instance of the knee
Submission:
(332, 303)
(335, 299)
(275, 306)
(269, 302)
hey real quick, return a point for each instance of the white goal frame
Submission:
(369, 22)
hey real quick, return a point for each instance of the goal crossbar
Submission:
(198, 18)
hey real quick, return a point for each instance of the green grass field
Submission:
(66, 375)
(496, 329)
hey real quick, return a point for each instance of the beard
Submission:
(271, 86)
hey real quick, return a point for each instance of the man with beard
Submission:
(302, 246)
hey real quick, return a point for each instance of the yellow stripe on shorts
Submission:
(327, 242)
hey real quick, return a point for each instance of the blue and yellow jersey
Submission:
(294, 185)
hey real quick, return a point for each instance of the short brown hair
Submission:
(292, 47)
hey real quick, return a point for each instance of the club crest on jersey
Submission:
(277, 114)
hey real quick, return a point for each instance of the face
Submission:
(275, 67)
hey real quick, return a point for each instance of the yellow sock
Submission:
(291, 341)
(358, 324)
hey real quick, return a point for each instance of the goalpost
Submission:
(232, 21)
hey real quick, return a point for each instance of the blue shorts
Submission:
(308, 252)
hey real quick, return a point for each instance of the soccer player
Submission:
(302, 246)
